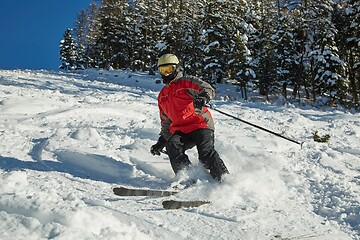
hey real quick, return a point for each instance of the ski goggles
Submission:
(166, 70)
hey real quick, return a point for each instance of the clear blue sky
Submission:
(31, 31)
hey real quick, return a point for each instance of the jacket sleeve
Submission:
(165, 124)
(205, 89)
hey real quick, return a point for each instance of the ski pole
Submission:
(251, 124)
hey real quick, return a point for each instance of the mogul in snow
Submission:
(185, 120)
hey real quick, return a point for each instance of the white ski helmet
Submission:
(168, 59)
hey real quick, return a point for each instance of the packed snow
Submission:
(66, 139)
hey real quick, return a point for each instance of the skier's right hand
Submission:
(156, 148)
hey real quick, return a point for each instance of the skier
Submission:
(185, 120)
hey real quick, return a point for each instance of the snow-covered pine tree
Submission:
(187, 30)
(288, 45)
(235, 29)
(80, 37)
(108, 45)
(126, 51)
(92, 36)
(169, 37)
(264, 14)
(352, 12)
(328, 83)
(346, 20)
(147, 32)
(242, 63)
(68, 51)
(298, 26)
(214, 38)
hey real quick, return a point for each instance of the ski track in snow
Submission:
(68, 138)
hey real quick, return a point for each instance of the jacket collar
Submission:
(176, 79)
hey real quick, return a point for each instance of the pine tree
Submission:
(193, 54)
(187, 33)
(242, 63)
(262, 16)
(346, 21)
(68, 51)
(121, 24)
(289, 48)
(298, 63)
(132, 38)
(92, 37)
(80, 37)
(235, 29)
(110, 40)
(214, 37)
(328, 81)
(353, 43)
(148, 34)
(168, 42)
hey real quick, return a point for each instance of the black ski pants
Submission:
(203, 139)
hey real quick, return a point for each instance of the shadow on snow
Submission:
(86, 166)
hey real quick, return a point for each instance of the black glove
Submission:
(157, 147)
(199, 102)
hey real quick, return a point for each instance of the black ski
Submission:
(124, 191)
(176, 204)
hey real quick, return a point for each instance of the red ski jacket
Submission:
(176, 106)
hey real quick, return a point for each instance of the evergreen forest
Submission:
(269, 46)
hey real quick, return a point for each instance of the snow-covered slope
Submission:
(66, 139)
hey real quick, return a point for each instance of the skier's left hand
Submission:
(199, 102)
